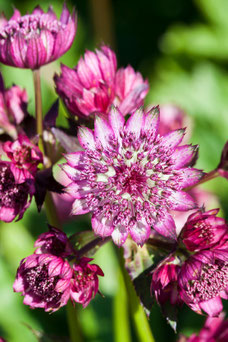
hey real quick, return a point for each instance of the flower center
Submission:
(41, 284)
(213, 280)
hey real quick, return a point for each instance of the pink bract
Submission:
(129, 176)
(15, 193)
(44, 281)
(33, 40)
(94, 85)
(85, 281)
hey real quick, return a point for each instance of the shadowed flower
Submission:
(15, 193)
(203, 281)
(24, 155)
(33, 40)
(129, 176)
(13, 103)
(85, 281)
(53, 242)
(44, 281)
(93, 85)
(203, 230)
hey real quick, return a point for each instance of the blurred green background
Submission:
(182, 48)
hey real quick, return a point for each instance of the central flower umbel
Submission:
(129, 176)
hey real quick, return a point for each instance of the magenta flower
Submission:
(44, 281)
(164, 281)
(203, 281)
(129, 176)
(13, 104)
(85, 281)
(203, 230)
(24, 155)
(94, 85)
(33, 40)
(130, 90)
(53, 242)
(215, 329)
(15, 193)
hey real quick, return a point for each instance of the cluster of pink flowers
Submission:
(46, 278)
(197, 273)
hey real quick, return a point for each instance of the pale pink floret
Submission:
(129, 176)
(95, 84)
(33, 40)
(15, 193)
(85, 281)
(25, 156)
(44, 281)
(203, 281)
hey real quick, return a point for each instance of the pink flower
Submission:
(13, 104)
(130, 90)
(164, 281)
(214, 330)
(94, 85)
(203, 281)
(33, 40)
(24, 155)
(53, 242)
(128, 176)
(85, 281)
(15, 193)
(203, 230)
(44, 281)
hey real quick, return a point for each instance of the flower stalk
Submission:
(38, 107)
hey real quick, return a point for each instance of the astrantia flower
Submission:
(203, 281)
(53, 242)
(33, 40)
(24, 155)
(15, 194)
(93, 85)
(203, 230)
(164, 282)
(85, 281)
(13, 103)
(44, 281)
(129, 176)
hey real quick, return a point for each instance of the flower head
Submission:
(203, 230)
(94, 85)
(129, 176)
(15, 193)
(24, 155)
(53, 242)
(85, 281)
(44, 281)
(203, 281)
(33, 40)
(164, 281)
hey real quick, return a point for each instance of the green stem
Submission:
(120, 312)
(52, 215)
(208, 176)
(38, 107)
(140, 320)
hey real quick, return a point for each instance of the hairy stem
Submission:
(141, 323)
(207, 177)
